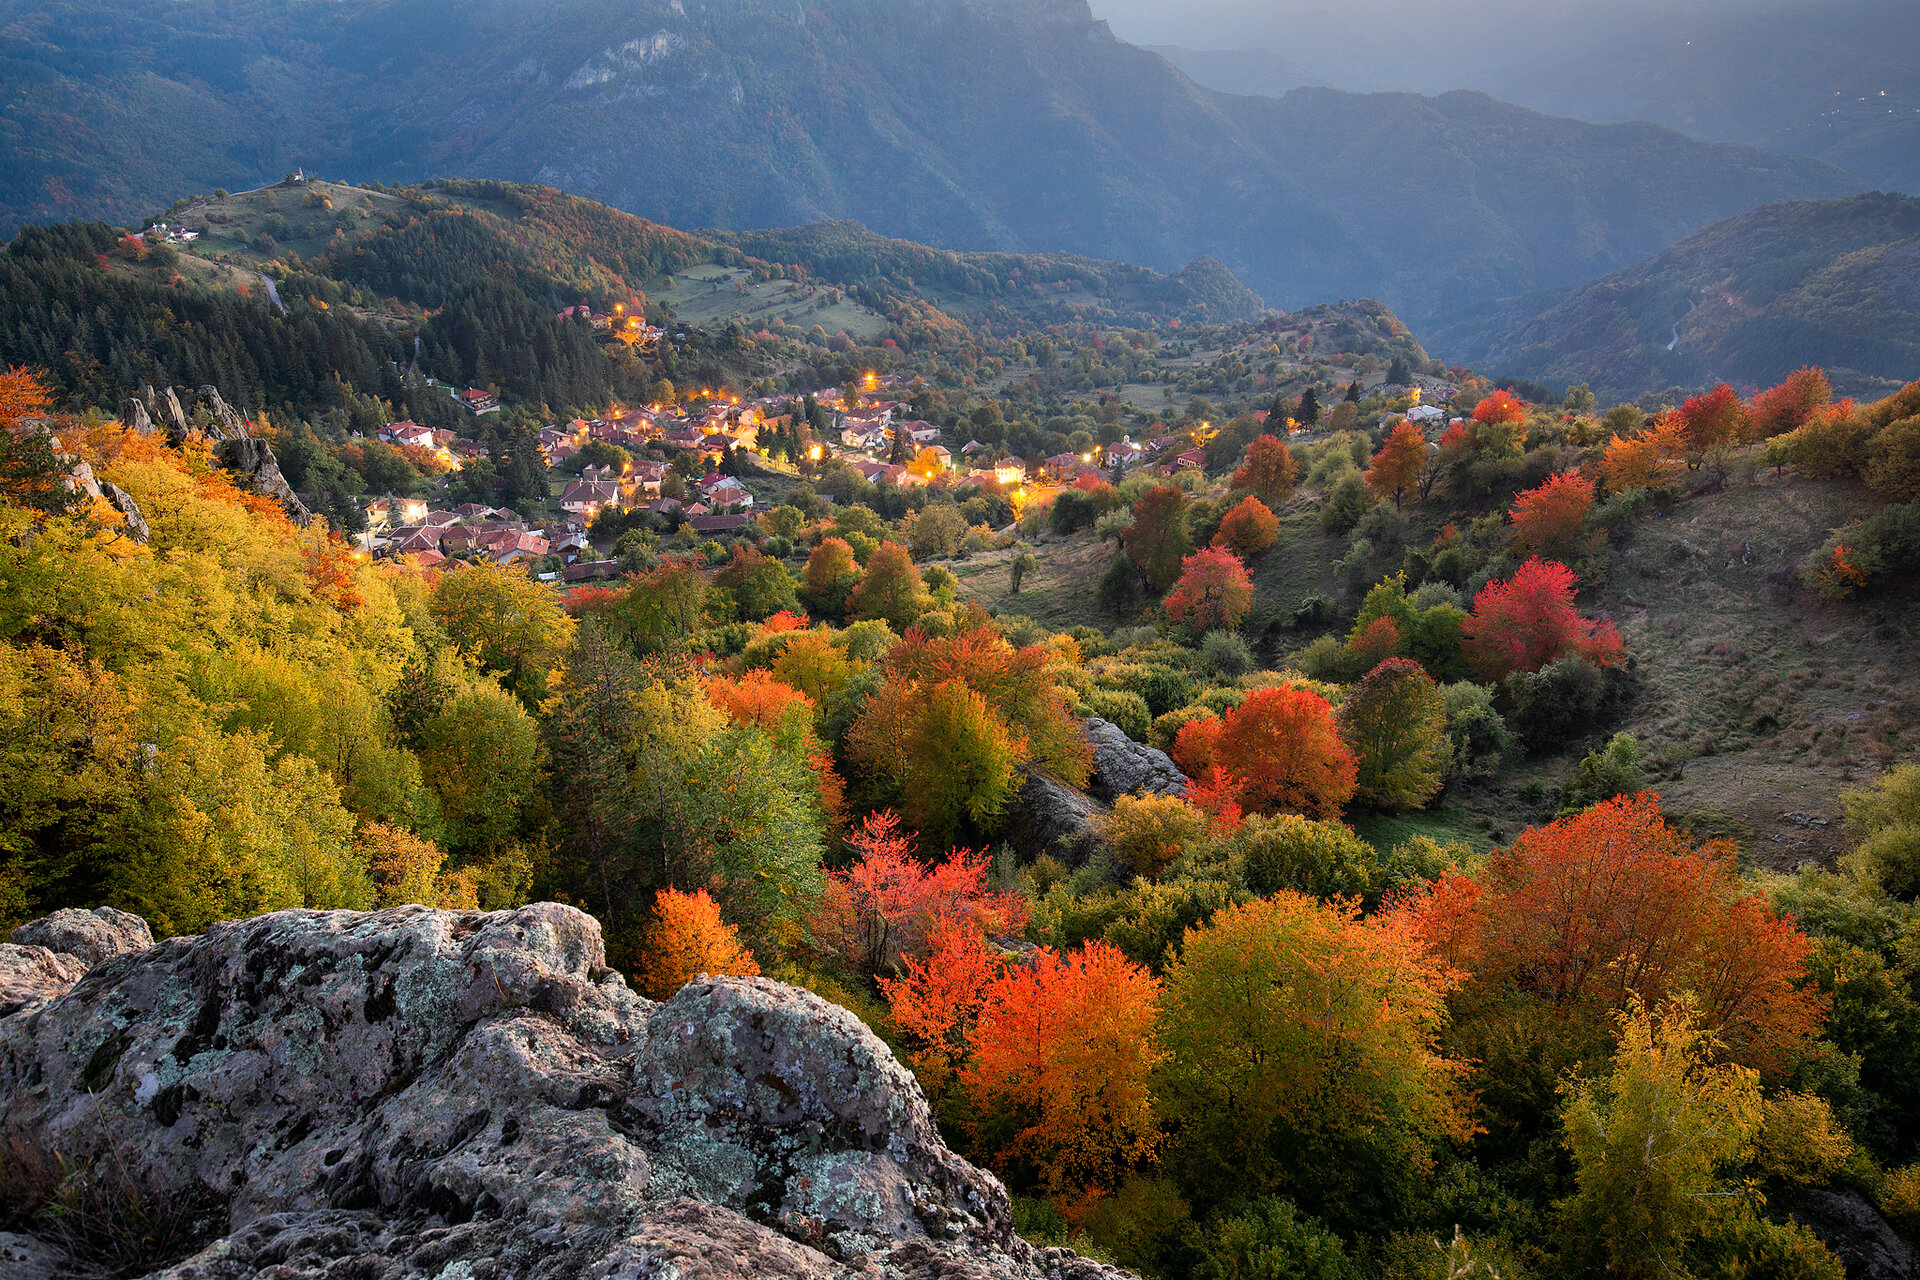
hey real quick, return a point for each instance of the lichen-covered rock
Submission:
(32, 975)
(94, 936)
(416, 1093)
(1123, 767)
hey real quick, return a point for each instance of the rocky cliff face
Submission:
(465, 1096)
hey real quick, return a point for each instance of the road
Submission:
(273, 293)
(1692, 307)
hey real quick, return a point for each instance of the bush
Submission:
(1325, 659)
(1899, 1199)
(1748, 1247)
(1272, 1240)
(1346, 502)
(1479, 733)
(1124, 709)
(1314, 611)
(1147, 833)
(1162, 688)
(1563, 700)
(1886, 819)
(1286, 851)
(1227, 654)
(1167, 727)
(1611, 771)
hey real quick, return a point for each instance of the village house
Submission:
(1064, 466)
(477, 401)
(719, 524)
(588, 499)
(1126, 455)
(1010, 471)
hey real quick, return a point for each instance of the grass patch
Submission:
(1449, 824)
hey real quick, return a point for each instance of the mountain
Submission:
(1834, 283)
(1005, 125)
(1255, 71)
(1838, 79)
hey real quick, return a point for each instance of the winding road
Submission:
(273, 293)
(1692, 307)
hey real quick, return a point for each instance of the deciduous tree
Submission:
(1789, 406)
(1157, 540)
(688, 938)
(1248, 529)
(890, 590)
(1547, 518)
(1304, 1057)
(1529, 620)
(1269, 470)
(1282, 748)
(1395, 719)
(1397, 466)
(1215, 590)
(829, 578)
(1069, 1045)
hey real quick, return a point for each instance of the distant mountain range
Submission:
(1748, 300)
(1012, 125)
(1258, 71)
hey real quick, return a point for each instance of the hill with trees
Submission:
(1834, 283)
(1017, 128)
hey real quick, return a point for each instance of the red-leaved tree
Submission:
(1707, 421)
(1789, 406)
(1215, 590)
(889, 905)
(1248, 529)
(1529, 620)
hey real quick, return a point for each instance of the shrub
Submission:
(1227, 654)
(1146, 833)
(1320, 859)
(1126, 710)
(1272, 1240)
(1564, 699)
(1162, 688)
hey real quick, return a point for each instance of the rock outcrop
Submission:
(95, 936)
(251, 459)
(1857, 1234)
(414, 1094)
(1050, 817)
(32, 976)
(1123, 767)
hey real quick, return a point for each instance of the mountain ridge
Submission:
(965, 125)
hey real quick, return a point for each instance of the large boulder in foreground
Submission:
(420, 1093)
(94, 937)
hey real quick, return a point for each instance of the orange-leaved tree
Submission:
(1215, 590)
(1305, 1057)
(938, 998)
(829, 578)
(1529, 620)
(1547, 518)
(1636, 462)
(955, 718)
(688, 938)
(1269, 471)
(1590, 911)
(1499, 426)
(889, 905)
(1284, 753)
(1248, 529)
(1397, 466)
(758, 699)
(890, 590)
(22, 395)
(1067, 1045)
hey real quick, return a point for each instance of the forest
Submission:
(1224, 1034)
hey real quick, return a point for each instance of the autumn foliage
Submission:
(1592, 910)
(1547, 518)
(688, 939)
(1269, 470)
(1716, 418)
(758, 699)
(1284, 754)
(1789, 406)
(1069, 1044)
(1398, 464)
(1248, 529)
(1529, 620)
(1215, 590)
(1636, 462)
(1395, 720)
(889, 905)
(1157, 540)
(21, 396)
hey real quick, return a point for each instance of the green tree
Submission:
(1395, 719)
(480, 754)
(509, 624)
(1158, 540)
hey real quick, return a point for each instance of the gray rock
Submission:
(1856, 1233)
(94, 936)
(166, 409)
(24, 1258)
(1050, 817)
(123, 502)
(227, 425)
(1123, 767)
(134, 413)
(414, 1093)
(33, 975)
(251, 458)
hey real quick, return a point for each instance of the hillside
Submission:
(1259, 71)
(1748, 300)
(988, 126)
